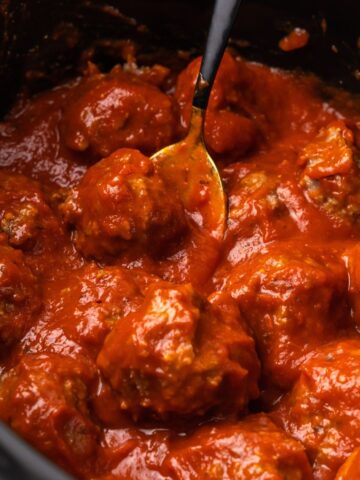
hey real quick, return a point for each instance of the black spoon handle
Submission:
(223, 18)
(18, 461)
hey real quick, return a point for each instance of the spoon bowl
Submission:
(188, 168)
(187, 165)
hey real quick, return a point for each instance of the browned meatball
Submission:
(118, 109)
(256, 210)
(25, 217)
(180, 354)
(227, 130)
(85, 305)
(322, 410)
(293, 298)
(29, 224)
(141, 459)
(44, 398)
(251, 449)
(122, 203)
(19, 295)
(331, 175)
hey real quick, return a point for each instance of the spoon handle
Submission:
(223, 17)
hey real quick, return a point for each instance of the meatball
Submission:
(293, 298)
(25, 217)
(330, 174)
(141, 458)
(180, 354)
(351, 468)
(19, 295)
(122, 203)
(250, 449)
(256, 209)
(118, 109)
(265, 206)
(226, 129)
(30, 142)
(30, 225)
(322, 410)
(44, 398)
(86, 305)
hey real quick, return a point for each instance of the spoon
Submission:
(187, 165)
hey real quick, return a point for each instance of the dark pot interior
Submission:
(43, 41)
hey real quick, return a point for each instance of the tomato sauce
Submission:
(133, 345)
(297, 38)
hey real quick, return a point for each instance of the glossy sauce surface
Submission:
(133, 345)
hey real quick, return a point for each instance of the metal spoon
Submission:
(187, 165)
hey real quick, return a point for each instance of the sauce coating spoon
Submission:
(187, 165)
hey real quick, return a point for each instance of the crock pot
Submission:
(43, 43)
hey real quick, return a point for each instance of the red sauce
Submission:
(135, 346)
(297, 38)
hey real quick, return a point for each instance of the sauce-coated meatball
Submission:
(331, 175)
(226, 130)
(29, 224)
(122, 203)
(85, 305)
(293, 299)
(19, 295)
(118, 109)
(180, 354)
(25, 217)
(141, 458)
(256, 209)
(322, 410)
(45, 399)
(250, 449)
